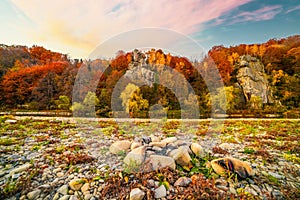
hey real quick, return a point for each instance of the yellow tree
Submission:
(254, 50)
(247, 49)
(126, 94)
(168, 59)
(137, 103)
(233, 58)
(262, 50)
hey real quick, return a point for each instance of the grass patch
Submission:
(249, 150)
(9, 141)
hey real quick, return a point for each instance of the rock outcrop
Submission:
(252, 79)
(139, 72)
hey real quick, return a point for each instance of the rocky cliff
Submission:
(139, 72)
(252, 79)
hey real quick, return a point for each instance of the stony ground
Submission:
(57, 159)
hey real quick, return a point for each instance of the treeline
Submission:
(38, 79)
(33, 78)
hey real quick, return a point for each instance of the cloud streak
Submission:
(83, 24)
(262, 14)
(293, 9)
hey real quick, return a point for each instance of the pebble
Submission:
(76, 184)
(20, 169)
(63, 190)
(183, 181)
(60, 174)
(85, 187)
(137, 194)
(33, 194)
(57, 170)
(63, 182)
(66, 197)
(87, 196)
(56, 196)
(160, 192)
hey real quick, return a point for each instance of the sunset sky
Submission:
(77, 27)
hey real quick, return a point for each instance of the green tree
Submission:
(90, 101)
(63, 102)
(103, 108)
(78, 109)
(87, 108)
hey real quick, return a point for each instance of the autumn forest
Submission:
(34, 78)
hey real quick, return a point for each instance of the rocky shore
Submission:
(104, 160)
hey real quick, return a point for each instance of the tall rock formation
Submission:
(139, 72)
(252, 79)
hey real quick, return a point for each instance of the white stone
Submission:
(60, 174)
(181, 156)
(23, 197)
(158, 144)
(34, 194)
(66, 197)
(88, 196)
(135, 145)
(119, 146)
(11, 121)
(63, 190)
(170, 140)
(85, 187)
(73, 197)
(183, 181)
(136, 156)
(20, 169)
(57, 170)
(154, 138)
(197, 150)
(157, 162)
(160, 192)
(56, 196)
(137, 194)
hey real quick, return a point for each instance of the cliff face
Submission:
(252, 79)
(139, 72)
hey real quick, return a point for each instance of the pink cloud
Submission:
(86, 23)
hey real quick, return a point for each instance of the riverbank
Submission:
(43, 157)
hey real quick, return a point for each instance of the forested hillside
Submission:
(38, 79)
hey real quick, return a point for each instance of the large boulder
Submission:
(119, 146)
(136, 156)
(155, 162)
(181, 156)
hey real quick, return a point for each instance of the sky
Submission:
(78, 27)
